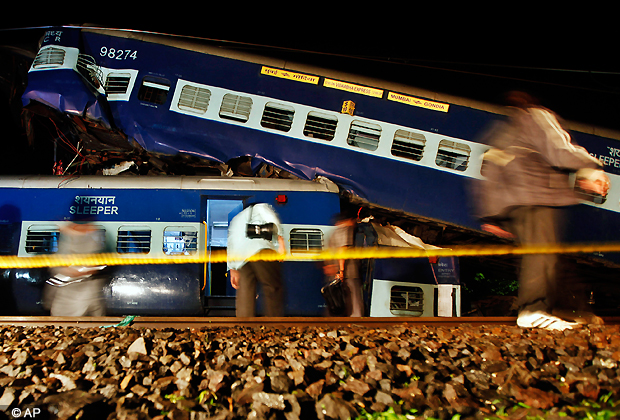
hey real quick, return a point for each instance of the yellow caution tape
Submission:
(59, 260)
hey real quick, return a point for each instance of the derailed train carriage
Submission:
(390, 145)
(178, 216)
(394, 148)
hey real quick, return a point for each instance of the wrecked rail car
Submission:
(388, 145)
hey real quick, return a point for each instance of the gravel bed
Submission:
(304, 372)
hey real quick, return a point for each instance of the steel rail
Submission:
(257, 322)
(200, 322)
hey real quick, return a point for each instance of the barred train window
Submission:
(235, 107)
(320, 126)
(154, 90)
(88, 68)
(42, 239)
(277, 117)
(133, 240)
(194, 99)
(117, 83)
(408, 145)
(49, 57)
(364, 135)
(180, 240)
(453, 155)
(306, 240)
(406, 301)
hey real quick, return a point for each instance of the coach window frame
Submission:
(308, 248)
(196, 102)
(277, 116)
(319, 126)
(448, 153)
(154, 90)
(139, 241)
(117, 83)
(406, 300)
(364, 135)
(183, 230)
(52, 241)
(408, 144)
(236, 107)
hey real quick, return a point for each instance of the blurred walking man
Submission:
(527, 173)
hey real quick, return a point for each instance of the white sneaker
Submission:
(541, 319)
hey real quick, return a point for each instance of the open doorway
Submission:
(219, 213)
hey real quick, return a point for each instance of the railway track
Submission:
(200, 322)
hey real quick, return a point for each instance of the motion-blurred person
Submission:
(77, 290)
(347, 270)
(365, 236)
(527, 173)
(256, 231)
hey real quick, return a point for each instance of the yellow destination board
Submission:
(350, 87)
(285, 74)
(422, 103)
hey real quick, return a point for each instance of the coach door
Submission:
(219, 213)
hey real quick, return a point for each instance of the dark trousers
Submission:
(268, 274)
(534, 225)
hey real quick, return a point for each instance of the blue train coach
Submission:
(156, 216)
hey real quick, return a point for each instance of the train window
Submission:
(320, 126)
(48, 58)
(90, 71)
(117, 83)
(42, 239)
(406, 301)
(453, 155)
(235, 107)
(277, 117)
(364, 135)
(133, 240)
(180, 240)
(154, 90)
(306, 240)
(194, 99)
(408, 144)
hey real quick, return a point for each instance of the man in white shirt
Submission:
(256, 231)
